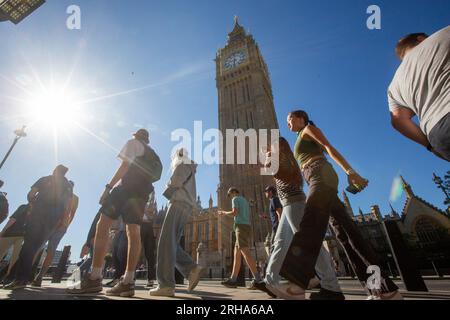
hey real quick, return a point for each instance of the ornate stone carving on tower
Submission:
(245, 102)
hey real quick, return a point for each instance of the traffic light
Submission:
(17, 10)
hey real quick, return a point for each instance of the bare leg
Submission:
(45, 265)
(134, 246)
(250, 262)
(101, 241)
(236, 263)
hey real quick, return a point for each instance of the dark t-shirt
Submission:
(18, 228)
(53, 193)
(274, 205)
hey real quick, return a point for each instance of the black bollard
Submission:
(62, 264)
(406, 263)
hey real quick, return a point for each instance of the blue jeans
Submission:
(290, 220)
(170, 253)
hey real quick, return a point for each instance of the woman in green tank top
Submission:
(323, 203)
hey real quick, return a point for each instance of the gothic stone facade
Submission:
(245, 102)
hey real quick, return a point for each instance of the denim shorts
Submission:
(125, 203)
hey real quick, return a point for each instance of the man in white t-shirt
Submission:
(421, 87)
(124, 197)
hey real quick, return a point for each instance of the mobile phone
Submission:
(353, 189)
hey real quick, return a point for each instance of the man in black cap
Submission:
(51, 198)
(275, 210)
(125, 196)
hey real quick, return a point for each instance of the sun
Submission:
(54, 108)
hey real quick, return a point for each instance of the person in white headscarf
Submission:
(182, 194)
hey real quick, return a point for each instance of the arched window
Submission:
(427, 230)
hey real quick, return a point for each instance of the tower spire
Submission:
(394, 213)
(210, 201)
(407, 188)
(347, 204)
(238, 32)
(361, 214)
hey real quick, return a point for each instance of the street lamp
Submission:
(20, 133)
(17, 10)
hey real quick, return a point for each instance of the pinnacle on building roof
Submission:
(238, 31)
(393, 212)
(407, 188)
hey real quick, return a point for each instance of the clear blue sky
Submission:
(321, 56)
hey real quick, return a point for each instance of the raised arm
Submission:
(353, 177)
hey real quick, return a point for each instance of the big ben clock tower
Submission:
(245, 102)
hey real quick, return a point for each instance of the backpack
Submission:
(150, 164)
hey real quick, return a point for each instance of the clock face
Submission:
(235, 59)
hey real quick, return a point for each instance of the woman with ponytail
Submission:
(323, 203)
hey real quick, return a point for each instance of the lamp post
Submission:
(20, 133)
(17, 10)
(252, 205)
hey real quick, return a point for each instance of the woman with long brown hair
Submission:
(323, 202)
(289, 184)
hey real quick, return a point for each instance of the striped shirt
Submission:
(288, 180)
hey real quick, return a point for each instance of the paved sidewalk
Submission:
(206, 290)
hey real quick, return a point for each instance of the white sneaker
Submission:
(194, 278)
(313, 283)
(396, 295)
(287, 291)
(162, 292)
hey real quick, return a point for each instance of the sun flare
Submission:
(54, 108)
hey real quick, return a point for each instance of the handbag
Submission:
(170, 191)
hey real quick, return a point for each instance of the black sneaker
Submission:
(229, 283)
(325, 294)
(262, 287)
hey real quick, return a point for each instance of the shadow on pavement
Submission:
(48, 293)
